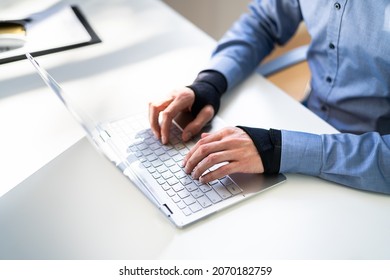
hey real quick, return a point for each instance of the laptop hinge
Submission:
(104, 135)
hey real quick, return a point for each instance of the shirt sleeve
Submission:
(254, 36)
(358, 161)
(242, 48)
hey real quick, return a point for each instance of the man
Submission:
(349, 58)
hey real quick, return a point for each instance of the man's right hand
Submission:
(180, 100)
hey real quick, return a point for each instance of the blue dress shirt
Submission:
(349, 59)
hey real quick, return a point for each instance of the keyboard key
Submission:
(183, 193)
(195, 207)
(184, 151)
(172, 152)
(155, 146)
(142, 159)
(213, 182)
(147, 152)
(181, 174)
(170, 163)
(142, 146)
(181, 204)
(213, 196)
(197, 193)
(185, 181)
(178, 146)
(164, 157)
(161, 169)
(132, 148)
(189, 200)
(161, 181)
(151, 169)
(226, 181)
(221, 190)
(234, 189)
(176, 198)
(165, 186)
(149, 140)
(159, 151)
(171, 192)
(191, 187)
(198, 183)
(178, 158)
(151, 157)
(174, 168)
(204, 201)
(205, 188)
(157, 163)
(172, 181)
(167, 147)
(177, 187)
(166, 175)
(187, 211)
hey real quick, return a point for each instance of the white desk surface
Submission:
(80, 207)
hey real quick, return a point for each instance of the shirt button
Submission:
(329, 79)
(337, 5)
(331, 46)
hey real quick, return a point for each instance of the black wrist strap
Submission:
(269, 145)
(209, 86)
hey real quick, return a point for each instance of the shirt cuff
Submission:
(268, 144)
(208, 88)
(301, 153)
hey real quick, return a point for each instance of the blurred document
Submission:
(53, 28)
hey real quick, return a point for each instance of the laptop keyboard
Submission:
(164, 163)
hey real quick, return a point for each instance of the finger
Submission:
(212, 137)
(194, 127)
(168, 115)
(220, 172)
(201, 153)
(211, 161)
(154, 112)
(205, 134)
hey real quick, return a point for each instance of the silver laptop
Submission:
(156, 169)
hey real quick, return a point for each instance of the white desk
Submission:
(80, 207)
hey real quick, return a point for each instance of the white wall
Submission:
(212, 16)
